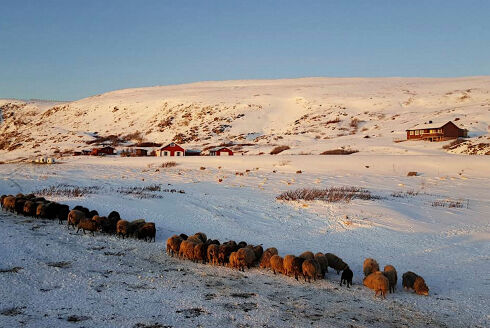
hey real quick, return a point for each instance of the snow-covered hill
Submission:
(310, 115)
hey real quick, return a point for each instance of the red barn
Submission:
(435, 132)
(220, 151)
(171, 149)
(107, 150)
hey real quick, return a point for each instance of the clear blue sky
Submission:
(70, 49)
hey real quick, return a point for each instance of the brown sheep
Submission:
(307, 255)
(323, 262)
(390, 273)
(19, 205)
(87, 225)
(30, 208)
(288, 264)
(245, 258)
(335, 262)
(9, 203)
(413, 281)
(242, 244)
(310, 268)
(369, 266)
(200, 252)
(74, 217)
(297, 267)
(277, 264)
(266, 256)
(41, 210)
(173, 245)
(133, 227)
(2, 198)
(202, 236)
(213, 250)
(122, 228)
(195, 239)
(377, 282)
(233, 260)
(224, 252)
(62, 213)
(186, 250)
(258, 250)
(147, 230)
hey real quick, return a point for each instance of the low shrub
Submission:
(279, 149)
(168, 164)
(331, 195)
(340, 151)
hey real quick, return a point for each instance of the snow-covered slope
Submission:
(310, 115)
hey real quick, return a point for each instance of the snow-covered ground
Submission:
(449, 247)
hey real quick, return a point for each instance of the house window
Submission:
(439, 130)
(165, 153)
(417, 132)
(433, 131)
(411, 133)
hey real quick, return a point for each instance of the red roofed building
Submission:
(220, 151)
(171, 149)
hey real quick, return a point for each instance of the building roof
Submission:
(219, 148)
(436, 125)
(172, 144)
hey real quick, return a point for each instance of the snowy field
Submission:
(110, 282)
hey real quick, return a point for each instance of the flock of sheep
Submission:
(79, 217)
(199, 248)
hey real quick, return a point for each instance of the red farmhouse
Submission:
(220, 151)
(435, 132)
(171, 149)
(102, 151)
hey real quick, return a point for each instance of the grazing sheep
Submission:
(224, 252)
(335, 262)
(85, 210)
(323, 262)
(310, 268)
(9, 203)
(233, 263)
(266, 256)
(195, 239)
(147, 230)
(307, 255)
(105, 225)
(2, 199)
(212, 255)
(41, 210)
(277, 264)
(186, 250)
(245, 258)
(19, 205)
(377, 282)
(346, 277)
(390, 273)
(30, 208)
(20, 195)
(370, 265)
(413, 281)
(122, 228)
(74, 217)
(242, 244)
(87, 224)
(288, 264)
(202, 236)
(200, 252)
(173, 245)
(183, 236)
(62, 213)
(297, 267)
(213, 242)
(114, 216)
(258, 250)
(133, 227)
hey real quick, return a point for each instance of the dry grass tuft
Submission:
(67, 190)
(331, 195)
(279, 149)
(168, 164)
(340, 151)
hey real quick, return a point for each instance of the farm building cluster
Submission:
(172, 149)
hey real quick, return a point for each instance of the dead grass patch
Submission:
(67, 190)
(331, 195)
(279, 149)
(340, 151)
(168, 164)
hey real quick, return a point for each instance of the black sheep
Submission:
(346, 277)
